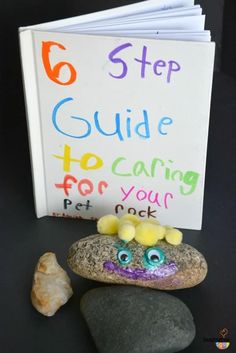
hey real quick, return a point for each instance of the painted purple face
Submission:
(142, 274)
(154, 264)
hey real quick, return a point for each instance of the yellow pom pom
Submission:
(168, 227)
(130, 218)
(173, 236)
(148, 234)
(152, 221)
(126, 231)
(108, 225)
(161, 232)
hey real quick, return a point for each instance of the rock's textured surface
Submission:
(137, 320)
(51, 285)
(98, 257)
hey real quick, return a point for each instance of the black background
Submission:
(24, 238)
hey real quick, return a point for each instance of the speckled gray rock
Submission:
(137, 320)
(96, 257)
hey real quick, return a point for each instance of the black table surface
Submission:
(24, 238)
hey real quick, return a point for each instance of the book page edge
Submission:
(33, 121)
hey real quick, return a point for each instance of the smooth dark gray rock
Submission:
(130, 319)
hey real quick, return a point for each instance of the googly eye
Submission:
(124, 256)
(154, 257)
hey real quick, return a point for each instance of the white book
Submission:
(118, 109)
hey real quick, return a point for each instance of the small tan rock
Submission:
(51, 285)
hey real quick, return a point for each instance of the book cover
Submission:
(118, 124)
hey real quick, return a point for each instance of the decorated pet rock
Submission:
(142, 253)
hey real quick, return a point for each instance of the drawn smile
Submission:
(143, 274)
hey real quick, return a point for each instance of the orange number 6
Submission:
(54, 72)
